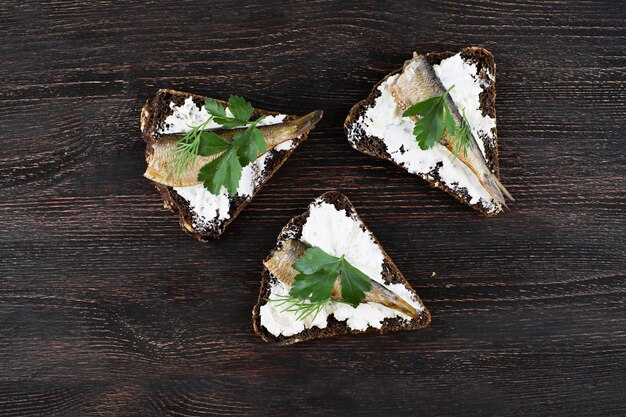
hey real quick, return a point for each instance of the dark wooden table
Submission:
(108, 308)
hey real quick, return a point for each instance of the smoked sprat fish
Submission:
(418, 82)
(279, 264)
(163, 157)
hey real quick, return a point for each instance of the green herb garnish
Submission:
(301, 308)
(188, 147)
(225, 170)
(464, 137)
(436, 118)
(312, 288)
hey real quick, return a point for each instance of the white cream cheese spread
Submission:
(337, 234)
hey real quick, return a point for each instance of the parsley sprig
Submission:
(225, 170)
(436, 118)
(313, 286)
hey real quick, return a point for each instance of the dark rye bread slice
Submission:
(391, 275)
(376, 148)
(153, 116)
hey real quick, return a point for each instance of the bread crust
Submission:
(152, 118)
(376, 148)
(391, 274)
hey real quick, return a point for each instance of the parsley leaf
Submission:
(315, 259)
(214, 108)
(249, 144)
(224, 170)
(211, 143)
(240, 108)
(259, 139)
(318, 273)
(422, 107)
(429, 128)
(316, 286)
(354, 284)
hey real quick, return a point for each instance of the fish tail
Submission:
(495, 188)
(503, 189)
(307, 122)
(402, 306)
(382, 295)
(487, 179)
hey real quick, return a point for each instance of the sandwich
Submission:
(328, 276)
(436, 118)
(208, 158)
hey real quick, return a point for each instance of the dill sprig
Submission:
(187, 149)
(464, 137)
(301, 308)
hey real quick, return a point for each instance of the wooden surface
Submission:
(108, 308)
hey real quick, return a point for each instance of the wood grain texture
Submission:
(108, 308)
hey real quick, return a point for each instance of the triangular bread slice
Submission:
(202, 214)
(331, 223)
(472, 71)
